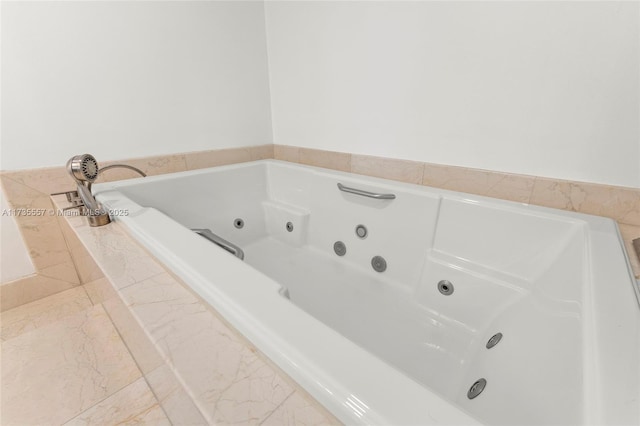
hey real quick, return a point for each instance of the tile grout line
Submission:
(118, 289)
(49, 323)
(128, 351)
(277, 407)
(142, 374)
(4, 176)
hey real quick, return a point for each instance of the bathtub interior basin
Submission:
(429, 307)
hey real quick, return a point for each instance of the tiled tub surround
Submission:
(522, 270)
(56, 270)
(30, 189)
(199, 368)
(618, 203)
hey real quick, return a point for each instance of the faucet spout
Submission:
(87, 197)
(96, 214)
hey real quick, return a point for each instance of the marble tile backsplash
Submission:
(51, 245)
(619, 203)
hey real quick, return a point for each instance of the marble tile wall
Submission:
(50, 246)
(619, 203)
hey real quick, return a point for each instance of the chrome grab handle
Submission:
(355, 191)
(221, 242)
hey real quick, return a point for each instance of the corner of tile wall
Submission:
(286, 153)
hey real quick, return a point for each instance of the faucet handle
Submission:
(72, 196)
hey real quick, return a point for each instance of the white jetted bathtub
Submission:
(395, 304)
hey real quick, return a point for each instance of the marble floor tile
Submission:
(28, 289)
(135, 404)
(64, 271)
(55, 372)
(99, 291)
(43, 312)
